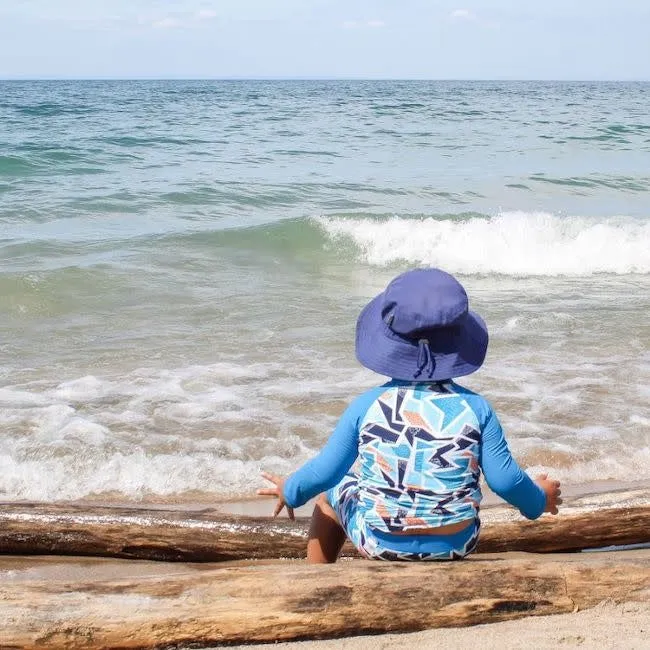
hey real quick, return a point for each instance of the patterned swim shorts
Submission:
(378, 545)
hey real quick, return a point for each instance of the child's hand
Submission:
(552, 491)
(277, 491)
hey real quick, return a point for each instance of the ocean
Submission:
(182, 264)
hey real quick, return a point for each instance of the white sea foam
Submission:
(616, 467)
(209, 430)
(572, 395)
(511, 243)
(160, 433)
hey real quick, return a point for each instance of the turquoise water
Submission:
(182, 263)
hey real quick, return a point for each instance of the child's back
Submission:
(400, 474)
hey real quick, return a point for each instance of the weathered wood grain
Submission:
(177, 605)
(211, 536)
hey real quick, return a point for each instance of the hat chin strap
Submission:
(425, 359)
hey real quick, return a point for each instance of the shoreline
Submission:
(577, 498)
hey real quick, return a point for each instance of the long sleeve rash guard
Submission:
(417, 448)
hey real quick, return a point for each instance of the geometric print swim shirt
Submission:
(418, 459)
(418, 450)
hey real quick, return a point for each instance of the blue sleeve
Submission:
(501, 471)
(334, 460)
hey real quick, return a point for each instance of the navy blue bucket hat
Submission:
(420, 329)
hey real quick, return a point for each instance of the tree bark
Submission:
(210, 536)
(563, 533)
(59, 604)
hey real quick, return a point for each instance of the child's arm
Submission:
(508, 480)
(331, 464)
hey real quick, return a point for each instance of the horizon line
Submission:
(321, 78)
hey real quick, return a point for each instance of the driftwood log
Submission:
(79, 604)
(210, 536)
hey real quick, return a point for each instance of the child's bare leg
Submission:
(326, 536)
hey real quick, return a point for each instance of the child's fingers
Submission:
(275, 492)
(271, 477)
(271, 492)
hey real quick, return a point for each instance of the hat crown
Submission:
(423, 299)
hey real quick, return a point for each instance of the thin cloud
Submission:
(182, 19)
(206, 14)
(166, 23)
(468, 16)
(355, 24)
(463, 14)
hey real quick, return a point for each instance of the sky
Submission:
(405, 39)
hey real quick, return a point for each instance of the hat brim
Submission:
(457, 351)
